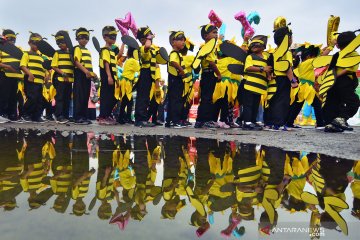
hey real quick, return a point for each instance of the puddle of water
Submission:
(75, 185)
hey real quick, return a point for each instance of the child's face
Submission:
(211, 35)
(33, 46)
(110, 39)
(179, 44)
(83, 40)
(257, 48)
(62, 45)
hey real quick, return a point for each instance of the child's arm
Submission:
(77, 57)
(108, 72)
(216, 70)
(121, 51)
(27, 72)
(178, 68)
(343, 72)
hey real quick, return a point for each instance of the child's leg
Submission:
(59, 98)
(67, 99)
(255, 107)
(295, 109)
(142, 97)
(177, 102)
(12, 105)
(318, 113)
(30, 104)
(349, 99)
(129, 108)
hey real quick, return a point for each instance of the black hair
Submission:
(107, 29)
(345, 38)
(130, 52)
(8, 31)
(280, 34)
(205, 31)
(141, 32)
(34, 35)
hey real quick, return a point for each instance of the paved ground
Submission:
(344, 145)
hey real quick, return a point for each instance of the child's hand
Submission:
(294, 85)
(219, 77)
(88, 74)
(267, 69)
(31, 77)
(110, 81)
(10, 68)
(66, 79)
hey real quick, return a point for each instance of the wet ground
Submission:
(345, 145)
(85, 185)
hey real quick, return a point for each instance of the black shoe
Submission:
(178, 125)
(341, 123)
(167, 125)
(87, 121)
(80, 122)
(71, 119)
(40, 120)
(239, 122)
(332, 129)
(198, 125)
(148, 124)
(293, 126)
(62, 120)
(157, 123)
(26, 119)
(121, 121)
(139, 124)
(251, 127)
(50, 118)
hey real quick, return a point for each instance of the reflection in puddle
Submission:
(170, 187)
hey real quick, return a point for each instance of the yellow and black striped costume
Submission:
(83, 56)
(33, 62)
(62, 60)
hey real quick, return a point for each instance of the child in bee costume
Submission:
(64, 78)
(256, 76)
(339, 83)
(9, 78)
(279, 103)
(306, 91)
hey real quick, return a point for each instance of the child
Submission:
(279, 104)
(131, 68)
(341, 101)
(108, 76)
(63, 77)
(156, 95)
(31, 65)
(306, 75)
(255, 85)
(9, 78)
(188, 81)
(147, 76)
(83, 73)
(208, 80)
(175, 80)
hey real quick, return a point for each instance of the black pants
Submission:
(341, 100)
(143, 88)
(62, 99)
(34, 104)
(81, 94)
(153, 110)
(176, 104)
(207, 87)
(107, 98)
(125, 104)
(279, 104)
(250, 106)
(221, 106)
(186, 109)
(8, 98)
(296, 107)
(48, 107)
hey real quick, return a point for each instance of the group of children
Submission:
(281, 79)
(208, 177)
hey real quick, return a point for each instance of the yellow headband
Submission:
(59, 37)
(35, 39)
(207, 27)
(83, 33)
(257, 41)
(10, 35)
(178, 34)
(147, 31)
